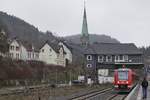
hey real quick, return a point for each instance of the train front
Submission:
(123, 79)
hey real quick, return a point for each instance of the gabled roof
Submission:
(53, 45)
(112, 48)
(66, 44)
(76, 47)
(60, 46)
(14, 39)
(28, 46)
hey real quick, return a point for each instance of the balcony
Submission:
(130, 61)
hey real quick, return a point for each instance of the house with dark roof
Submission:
(20, 50)
(111, 56)
(68, 51)
(108, 55)
(49, 52)
(52, 53)
(32, 52)
(14, 49)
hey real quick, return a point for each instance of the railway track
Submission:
(107, 94)
(23, 90)
(91, 94)
(117, 97)
(120, 96)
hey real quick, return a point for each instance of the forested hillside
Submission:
(93, 38)
(16, 27)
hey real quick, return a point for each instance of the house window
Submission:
(126, 57)
(33, 55)
(17, 56)
(17, 48)
(100, 58)
(121, 58)
(11, 55)
(11, 47)
(89, 65)
(42, 50)
(29, 55)
(117, 58)
(89, 57)
(50, 50)
(37, 56)
(108, 58)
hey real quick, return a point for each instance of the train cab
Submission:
(124, 79)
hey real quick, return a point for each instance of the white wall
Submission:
(103, 79)
(61, 57)
(68, 52)
(103, 72)
(14, 52)
(23, 53)
(49, 56)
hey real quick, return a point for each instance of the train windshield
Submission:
(123, 75)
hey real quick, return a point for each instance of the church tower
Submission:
(84, 34)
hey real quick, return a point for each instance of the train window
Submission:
(123, 75)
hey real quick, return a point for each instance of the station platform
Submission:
(140, 94)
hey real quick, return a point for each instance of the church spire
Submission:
(85, 34)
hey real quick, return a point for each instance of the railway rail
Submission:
(23, 90)
(117, 97)
(106, 94)
(91, 94)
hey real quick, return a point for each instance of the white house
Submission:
(14, 50)
(31, 52)
(49, 53)
(22, 51)
(2, 54)
(68, 52)
(52, 54)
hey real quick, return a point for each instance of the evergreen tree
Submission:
(3, 41)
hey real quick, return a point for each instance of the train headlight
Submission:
(127, 82)
(118, 82)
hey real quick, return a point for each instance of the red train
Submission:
(124, 79)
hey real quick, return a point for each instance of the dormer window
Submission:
(100, 58)
(117, 58)
(11, 47)
(17, 56)
(89, 57)
(126, 57)
(29, 55)
(17, 48)
(121, 58)
(108, 58)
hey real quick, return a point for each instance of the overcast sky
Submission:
(126, 20)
